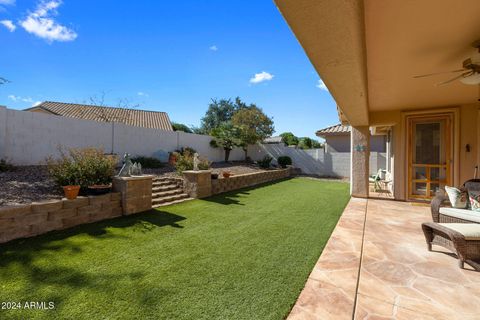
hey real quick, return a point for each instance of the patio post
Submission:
(360, 164)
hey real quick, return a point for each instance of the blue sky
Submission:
(171, 56)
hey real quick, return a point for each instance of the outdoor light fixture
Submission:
(474, 79)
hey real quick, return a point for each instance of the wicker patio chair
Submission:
(463, 244)
(442, 201)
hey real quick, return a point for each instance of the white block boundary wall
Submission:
(28, 138)
(316, 161)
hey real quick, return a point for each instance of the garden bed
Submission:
(28, 184)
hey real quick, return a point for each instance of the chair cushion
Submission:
(474, 196)
(471, 231)
(458, 198)
(464, 214)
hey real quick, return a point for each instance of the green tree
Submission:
(253, 125)
(219, 112)
(308, 143)
(316, 144)
(181, 127)
(289, 139)
(226, 136)
(305, 143)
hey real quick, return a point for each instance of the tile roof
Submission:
(132, 117)
(338, 129)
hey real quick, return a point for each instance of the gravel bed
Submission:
(27, 184)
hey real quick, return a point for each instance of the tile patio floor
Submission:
(394, 278)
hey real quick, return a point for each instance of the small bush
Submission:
(204, 164)
(185, 161)
(186, 151)
(148, 162)
(265, 162)
(84, 167)
(6, 166)
(284, 161)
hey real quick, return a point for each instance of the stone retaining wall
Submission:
(246, 180)
(25, 221)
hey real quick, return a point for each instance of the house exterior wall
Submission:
(341, 143)
(466, 131)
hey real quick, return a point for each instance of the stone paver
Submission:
(397, 278)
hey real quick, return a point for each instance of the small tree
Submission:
(253, 124)
(227, 137)
(105, 115)
(181, 127)
(219, 112)
(289, 138)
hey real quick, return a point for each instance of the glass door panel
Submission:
(429, 155)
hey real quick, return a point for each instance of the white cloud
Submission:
(20, 99)
(7, 2)
(9, 25)
(42, 24)
(321, 85)
(213, 48)
(36, 103)
(142, 94)
(261, 77)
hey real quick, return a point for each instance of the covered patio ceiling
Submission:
(367, 52)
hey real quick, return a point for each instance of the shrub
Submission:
(284, 161)
(148, 162)
(84, 167)
(186, 151)
(185, 161)
(265, 162)
(6, 166)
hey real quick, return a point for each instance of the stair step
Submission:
(172, 202)
(168, 187)
(156, 201)
(162, 179)
(163, 194)
(164, 183)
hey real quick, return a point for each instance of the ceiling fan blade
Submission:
(434, 74)
(463, 75)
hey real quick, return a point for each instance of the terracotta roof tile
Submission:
(132, 117)
(338, 129)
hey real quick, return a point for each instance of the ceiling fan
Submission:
(470, 73)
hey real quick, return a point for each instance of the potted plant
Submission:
(226, 174)
(71, 191)
(172, 158)
(67, 175)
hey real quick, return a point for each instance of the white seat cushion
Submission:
(464, 214)
(471, 231)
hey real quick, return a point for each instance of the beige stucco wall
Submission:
(466, 132)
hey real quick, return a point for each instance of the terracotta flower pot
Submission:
(71, 192)
(172, 159)
(226, 174)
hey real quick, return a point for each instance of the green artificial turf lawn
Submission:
(240, 255)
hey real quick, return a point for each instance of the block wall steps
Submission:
(167, 190)
(173, 202)
(171, 198)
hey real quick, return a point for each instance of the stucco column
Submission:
(360, 164)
